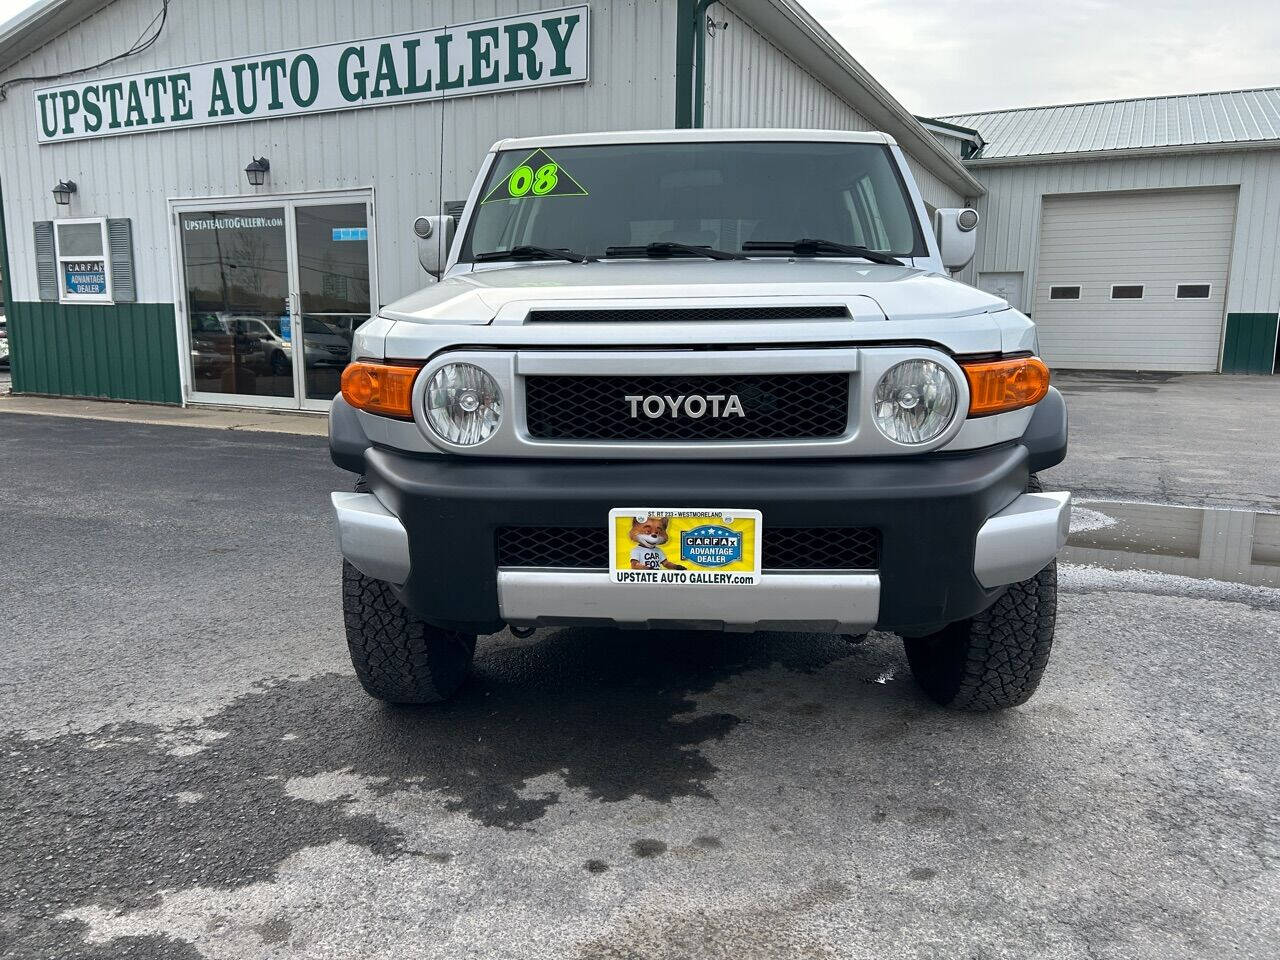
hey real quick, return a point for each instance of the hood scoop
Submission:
(689, 314)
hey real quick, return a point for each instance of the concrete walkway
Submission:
(213, 418)
(1202, 439)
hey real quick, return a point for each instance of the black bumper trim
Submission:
(928, 510)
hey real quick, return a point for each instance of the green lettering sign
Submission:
(513, 51)
(522, 40)
(559, 30)
(219, 99)
(353, 84)
(304, 63)
(135, 116)
(445, 82)
(385, 83)
(273, 72)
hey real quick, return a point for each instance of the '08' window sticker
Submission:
(536, 176)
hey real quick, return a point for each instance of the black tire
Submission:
(398, 657)
(994, 660)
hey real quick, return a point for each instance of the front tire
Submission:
(994, 660)
(397, 656)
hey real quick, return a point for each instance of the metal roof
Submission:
(24, 33)
(1198, 120)
(697, 135)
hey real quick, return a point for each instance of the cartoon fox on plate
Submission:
(649, 534)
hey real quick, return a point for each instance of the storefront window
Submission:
(236, 268)
(84, 270)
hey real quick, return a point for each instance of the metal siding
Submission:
(1009, 235)
(123, 352)
(1196, 119)
(393, 149)
(1249, 345)
(1157, 239)
(934, 191)
(750, 82)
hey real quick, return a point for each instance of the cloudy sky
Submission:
(950, 56)
(944, 56)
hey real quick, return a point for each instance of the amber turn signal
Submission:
(997, 386)
(384, 388)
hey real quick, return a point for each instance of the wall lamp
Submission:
(63, 191)
(256, 171)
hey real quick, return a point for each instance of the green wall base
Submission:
(1250, 343)
(126, 351)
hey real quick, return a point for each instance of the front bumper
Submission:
(955, 529)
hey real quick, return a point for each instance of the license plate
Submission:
(684, 548)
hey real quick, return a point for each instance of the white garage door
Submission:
(1134, 281)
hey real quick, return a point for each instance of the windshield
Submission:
(720, 195)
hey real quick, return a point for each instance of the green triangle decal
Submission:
(536, 176)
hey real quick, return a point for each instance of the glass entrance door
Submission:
(273, 294)
(333, 292)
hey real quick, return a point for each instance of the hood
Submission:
(506, 293)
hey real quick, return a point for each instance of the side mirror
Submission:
(957, 235)
(435, 236)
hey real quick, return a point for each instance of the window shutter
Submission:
(46, 261)
(124, 289)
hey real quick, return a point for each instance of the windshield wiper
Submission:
(527, 251)
(809, 247)
(665, 248)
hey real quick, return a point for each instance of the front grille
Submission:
(784, 406)
(689, 315)
(785, 548)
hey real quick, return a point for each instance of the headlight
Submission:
(463, 404)
(914, 401)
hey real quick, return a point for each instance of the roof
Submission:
(1151, 124)
(954, 128)
(25, 33)
(700, 135)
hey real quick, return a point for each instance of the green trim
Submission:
(948, 126)
(125, 351)
(1250, 343)
(700, 60)
(684, 63)
(6, 278)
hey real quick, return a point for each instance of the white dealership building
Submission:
(190, 190)
(245, 176)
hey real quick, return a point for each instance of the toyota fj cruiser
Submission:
(707, 380)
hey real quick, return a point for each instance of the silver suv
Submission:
(711, 379)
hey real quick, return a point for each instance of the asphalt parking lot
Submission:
(189, 769)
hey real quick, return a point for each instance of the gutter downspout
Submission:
(691, 47)
(684, 64)
(7, 303)
(700, 60)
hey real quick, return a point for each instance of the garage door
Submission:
(1134, 281)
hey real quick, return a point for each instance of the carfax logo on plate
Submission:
(711, 545)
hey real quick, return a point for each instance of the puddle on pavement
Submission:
(1236, 546)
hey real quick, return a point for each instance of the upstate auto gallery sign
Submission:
(487, 56)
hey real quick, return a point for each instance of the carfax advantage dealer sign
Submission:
(488, 56)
